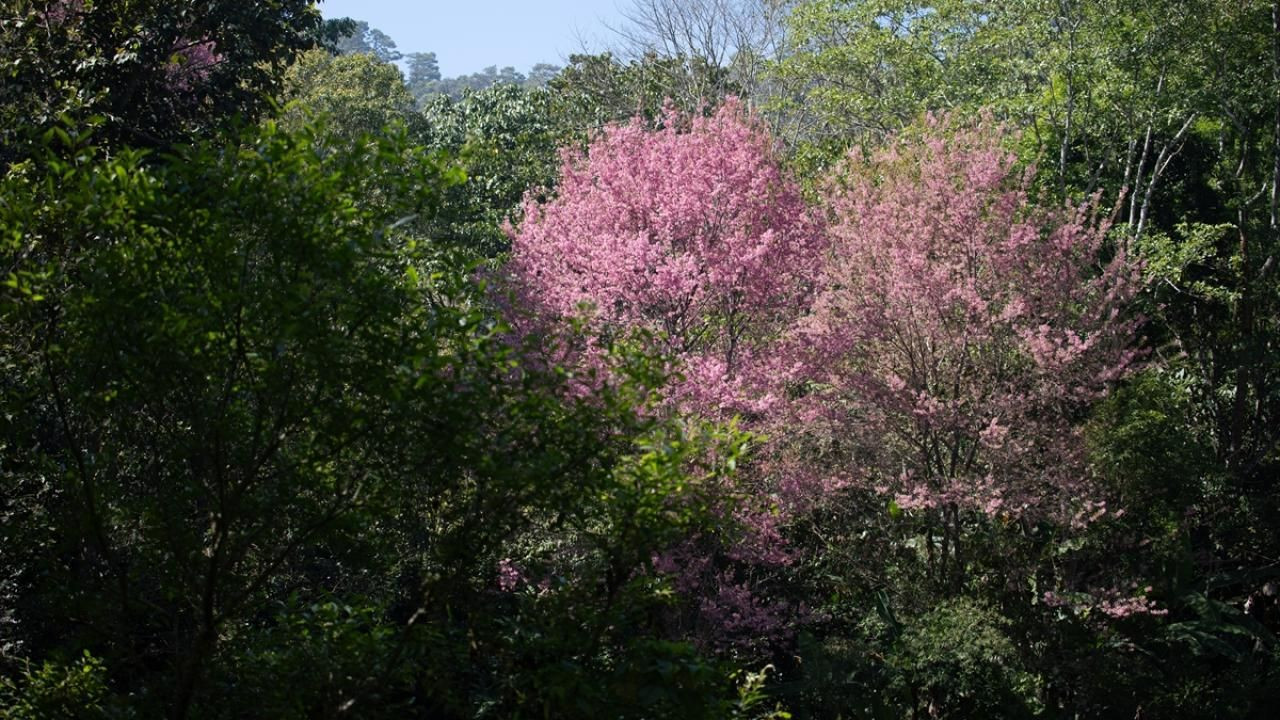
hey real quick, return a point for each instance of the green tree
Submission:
(1106, 90)
(153, 72)
(424, 73)
(362, 39)
(358, 94)
(596, 90)
(541, 74)
(456, 87)
(258, 430)
(507, 139)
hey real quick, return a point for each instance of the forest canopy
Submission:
(789, 358)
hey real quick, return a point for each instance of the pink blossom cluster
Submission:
(962, 327)
(1111, 602)
(510, 577)
(191, 64)
(730, 613)
(691, 230)
(1122, 607)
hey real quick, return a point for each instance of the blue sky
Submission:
(468, 35)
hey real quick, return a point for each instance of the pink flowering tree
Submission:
(962, 331)
(693, 232)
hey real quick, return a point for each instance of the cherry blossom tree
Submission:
(962, 330)
(692, 231)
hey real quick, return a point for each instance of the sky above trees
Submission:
(467, 37)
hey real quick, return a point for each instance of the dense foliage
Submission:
(799, 359)
(151, 71)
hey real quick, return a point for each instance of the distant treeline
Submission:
(424, 78)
